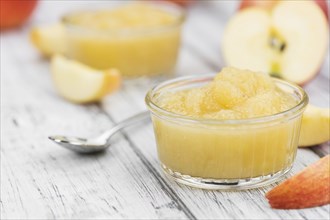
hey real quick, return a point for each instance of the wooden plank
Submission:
(41, 180)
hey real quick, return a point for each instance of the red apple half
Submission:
(15, 12)
(289, 41)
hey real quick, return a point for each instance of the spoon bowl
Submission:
(99, 143)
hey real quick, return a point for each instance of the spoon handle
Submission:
(123, 124)
(132, 120)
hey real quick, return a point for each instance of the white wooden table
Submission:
(40, 180)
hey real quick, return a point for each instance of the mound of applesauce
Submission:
(230, 151)
(233, 94)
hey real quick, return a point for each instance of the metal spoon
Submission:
(93, 145)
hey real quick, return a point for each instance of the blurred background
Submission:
(202, 48)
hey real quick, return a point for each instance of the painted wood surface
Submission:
(40, 180)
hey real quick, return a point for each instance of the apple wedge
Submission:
(49, 40)
(315, 126)
(79, 83)
(309, 188)
(289, 41)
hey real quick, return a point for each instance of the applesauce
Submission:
(237, 129)
(139, 39)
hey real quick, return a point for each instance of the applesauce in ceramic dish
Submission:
(235, 130)
(139, 39)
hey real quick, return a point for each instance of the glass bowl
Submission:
(225, 154)
(143, 51)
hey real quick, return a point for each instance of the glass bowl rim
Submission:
(158, 111)
(129, 31)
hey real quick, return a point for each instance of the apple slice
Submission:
(309, 188)
(49, 40)
(315, 127)
(289, 41)
(81, 84)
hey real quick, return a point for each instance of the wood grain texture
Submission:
(39, 180)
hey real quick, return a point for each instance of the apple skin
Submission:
(14, 13)
(183, 3)
(324, 6)
(309, 188)
(259, 3)
(270, 3)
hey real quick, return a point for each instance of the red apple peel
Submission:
(309, 188)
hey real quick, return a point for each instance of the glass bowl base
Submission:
(225, 184)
